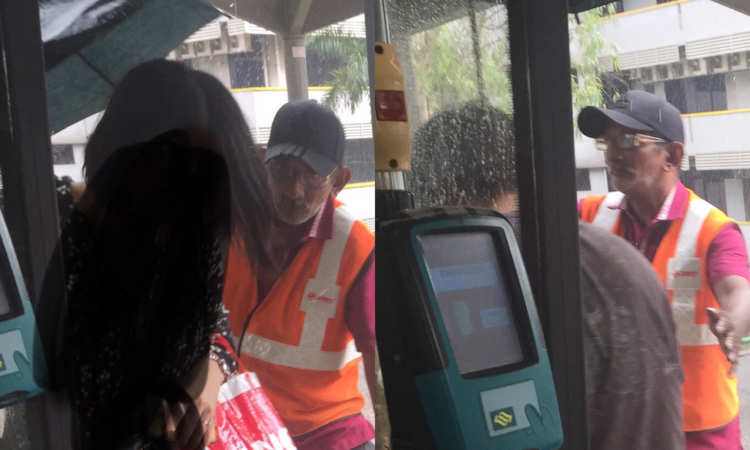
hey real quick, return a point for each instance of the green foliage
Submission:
(587, 46)
(349, 81)
(446, 67)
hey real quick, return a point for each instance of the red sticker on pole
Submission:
(390, 105)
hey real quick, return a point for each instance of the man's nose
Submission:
(295, 188)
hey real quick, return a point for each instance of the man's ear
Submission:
(676, 153)
(342, 177)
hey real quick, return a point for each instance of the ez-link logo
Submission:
(314, 296)
(503, 418)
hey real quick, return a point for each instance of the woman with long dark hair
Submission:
(171, 176)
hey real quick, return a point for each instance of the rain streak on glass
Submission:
(456, 61)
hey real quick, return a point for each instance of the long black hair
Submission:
(159, 96)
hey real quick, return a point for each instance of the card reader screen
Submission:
(7, 288)
(474, 299)
(9, 295)
(4, 297)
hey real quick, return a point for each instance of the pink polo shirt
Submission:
(727, 254)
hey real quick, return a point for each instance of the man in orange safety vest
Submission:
(696, 250)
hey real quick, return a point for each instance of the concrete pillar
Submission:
(295, 63)
(735, 199)
(273, 54)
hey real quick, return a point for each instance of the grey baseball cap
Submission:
(310, 131)
(638, 110)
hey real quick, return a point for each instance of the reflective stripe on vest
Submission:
(683, 270)
(606, 216)
(684, 274)
(319, 302)
(709, 393)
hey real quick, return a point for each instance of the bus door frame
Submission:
(30, 204)
(543, 119)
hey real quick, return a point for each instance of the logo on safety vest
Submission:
(685, 274)
(503, 418)
(322, 298)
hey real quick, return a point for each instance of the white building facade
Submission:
(696, 55)
(249, 61)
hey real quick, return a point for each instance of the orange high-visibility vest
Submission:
(709, 394)
(297, 341)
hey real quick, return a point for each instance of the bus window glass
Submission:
(689, 61)
(334, 58)
(456, 62)
(327, 62)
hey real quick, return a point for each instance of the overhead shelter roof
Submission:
(292, 17)
(742, 6)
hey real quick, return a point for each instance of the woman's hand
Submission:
(193, 428)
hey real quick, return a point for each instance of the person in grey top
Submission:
(465, 156)
(633, 371)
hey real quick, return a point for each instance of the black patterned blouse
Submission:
(144, 293)
(64, 198)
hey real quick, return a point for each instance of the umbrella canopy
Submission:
(91, 44)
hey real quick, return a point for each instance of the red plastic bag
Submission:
(246, 419)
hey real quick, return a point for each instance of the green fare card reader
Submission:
(23, 370)
(462, 352)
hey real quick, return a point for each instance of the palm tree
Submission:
(348, 54)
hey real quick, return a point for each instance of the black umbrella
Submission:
(90, 45)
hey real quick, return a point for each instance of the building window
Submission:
(329, 52)
(614, 86)
(697, 94)
(675, 91)
(246, 68)
(583, 180)
(710, 92)
(63, 154)
(358, 157)
(320, 67)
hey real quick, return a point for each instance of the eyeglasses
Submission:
(286, 170)
(628, 141)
